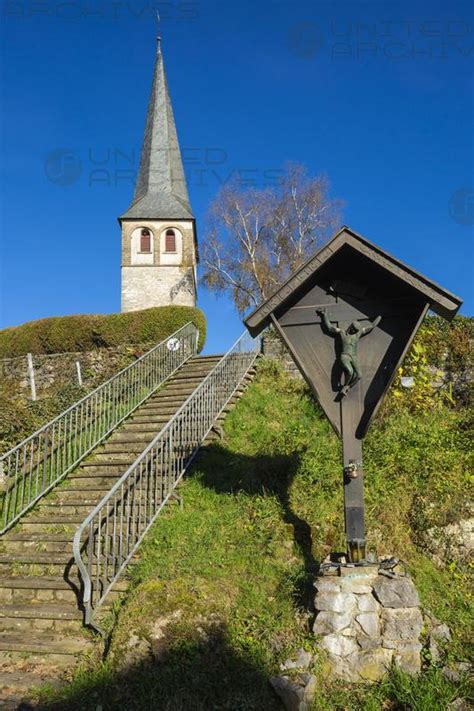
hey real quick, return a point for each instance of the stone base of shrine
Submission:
(366, 622)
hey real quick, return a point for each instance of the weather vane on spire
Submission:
(158, 20)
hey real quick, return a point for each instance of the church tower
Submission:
(159, 246)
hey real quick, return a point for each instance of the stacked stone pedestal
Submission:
(368, 622)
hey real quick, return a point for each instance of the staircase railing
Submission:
(36, 465)
(107, 539)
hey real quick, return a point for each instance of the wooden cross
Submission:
(353, 280)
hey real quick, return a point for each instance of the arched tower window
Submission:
(170, 241)
(145, 240)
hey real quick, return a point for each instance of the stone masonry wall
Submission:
(159, 283)
(146, 286)
(60, 368)
(368, 621)
(272, 347)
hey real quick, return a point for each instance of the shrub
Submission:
(61, 334)
(448, 345)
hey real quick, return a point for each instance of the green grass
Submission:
(228, 578)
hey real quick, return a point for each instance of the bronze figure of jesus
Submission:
(349, 340)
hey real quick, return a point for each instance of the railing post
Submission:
(31, 376)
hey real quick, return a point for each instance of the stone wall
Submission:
(160, 278)
(273, 348)
(146, 286)
(60, 368)
(367, 622)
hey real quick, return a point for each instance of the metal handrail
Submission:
(109, 536)
(33, 467)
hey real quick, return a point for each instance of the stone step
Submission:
(165, 398)
(207, 357)
(59, 662)
(34, 526)
(201, 361)
(106, 473)
(78, 496)
(15, 682)
(65, 502)
(153, 415)
(155, 410)
(48, 523)
(37, 558)
(178, 389)
(15, 590)
(141, 433)
(191, 374)
(117, 460)
(157, 397)
(26, 570)
(39, 643)
(49, 519)
(150, 429)
(63, 509)
(147, 419)
(94, 483)
(89, 483)
(142, 436)
(24, 547)
(126, 447)
(175, 393)
(41, 611)
(56, 566)
(40, 616)
(195, 370)
(17, 535)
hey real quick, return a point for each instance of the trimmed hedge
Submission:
(61, 334)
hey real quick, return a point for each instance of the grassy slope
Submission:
(260, 510)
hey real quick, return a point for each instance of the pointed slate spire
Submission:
(160, 191)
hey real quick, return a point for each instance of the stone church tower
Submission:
(159, 247)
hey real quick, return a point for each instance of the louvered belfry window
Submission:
(145, 241)
(170, 241)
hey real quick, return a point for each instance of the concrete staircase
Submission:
(41, 629)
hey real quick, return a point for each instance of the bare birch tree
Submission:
(256, 238)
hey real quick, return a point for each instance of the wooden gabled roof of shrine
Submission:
(440, 301)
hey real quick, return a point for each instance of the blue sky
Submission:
(377, 95)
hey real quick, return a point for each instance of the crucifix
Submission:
(341, 325)
(348, 317)
(349, 339)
